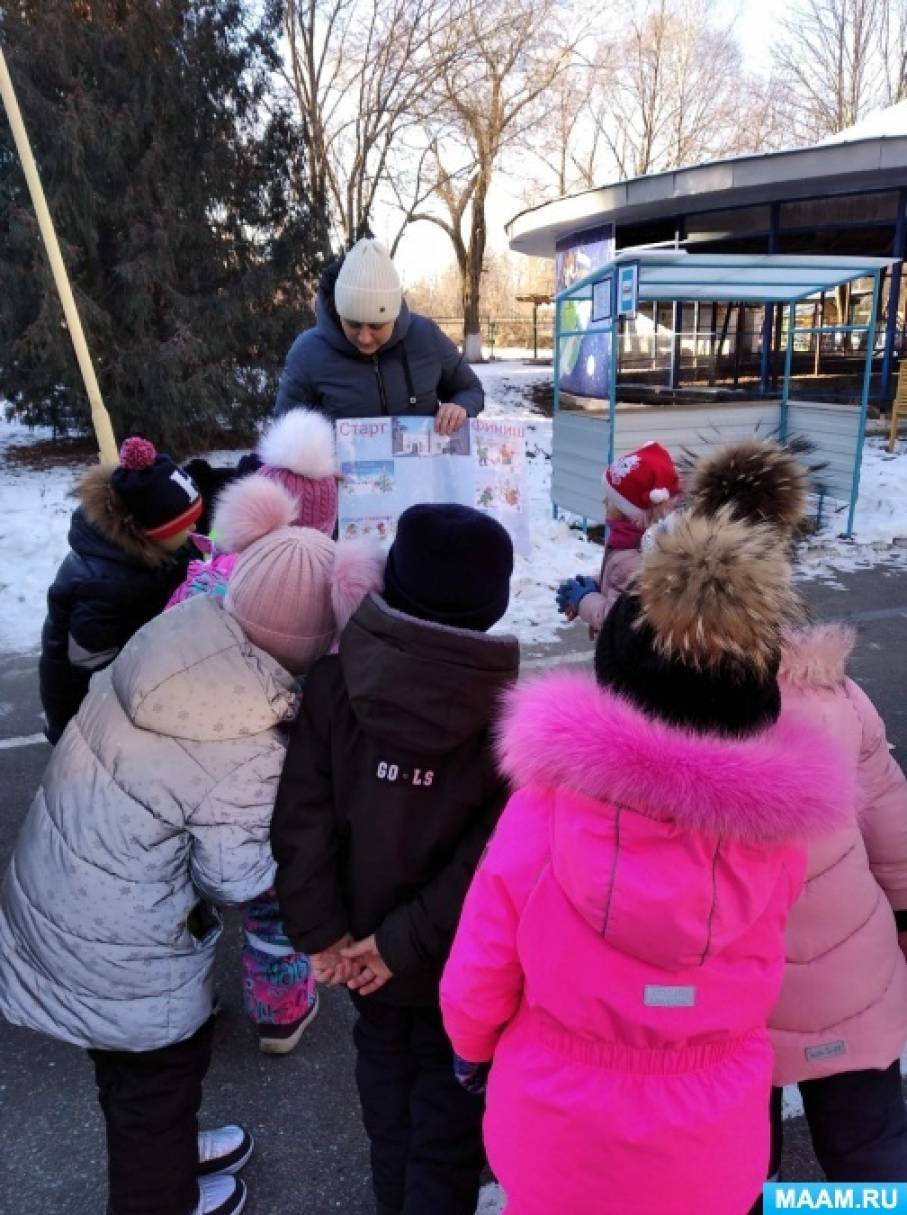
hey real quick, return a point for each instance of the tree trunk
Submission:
(471, 273)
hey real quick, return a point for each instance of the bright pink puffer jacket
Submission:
(621, 948)
(843, 1002)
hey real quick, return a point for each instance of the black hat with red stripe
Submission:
(161, 499)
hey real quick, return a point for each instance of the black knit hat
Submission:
(723, 699)
(449, 564)
(161, 499)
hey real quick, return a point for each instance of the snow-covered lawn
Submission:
(35, 506)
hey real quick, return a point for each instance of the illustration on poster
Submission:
(368, 477)
(386, 470)
(380, 527)
(411, 437)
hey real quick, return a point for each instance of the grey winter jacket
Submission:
(416, 370)
(157, 799)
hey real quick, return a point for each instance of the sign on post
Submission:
(627, 289)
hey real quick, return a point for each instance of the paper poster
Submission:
(391, 463)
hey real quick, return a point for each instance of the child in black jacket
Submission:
(388, 797)
(128, 554)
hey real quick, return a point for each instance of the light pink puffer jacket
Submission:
(618, 567)
(621, 948)
(843, 1003)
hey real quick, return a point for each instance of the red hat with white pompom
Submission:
(641, 480)
(161, 499)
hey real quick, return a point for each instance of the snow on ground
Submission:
(35, 505)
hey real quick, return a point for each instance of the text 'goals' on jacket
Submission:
(390, 791)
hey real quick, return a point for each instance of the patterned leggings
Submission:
(278, 984)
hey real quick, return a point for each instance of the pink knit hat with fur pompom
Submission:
(292, 589)
(298, 453)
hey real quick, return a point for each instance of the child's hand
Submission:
(329, 966)
(374, 972)
(471, 1076)
(571, 593)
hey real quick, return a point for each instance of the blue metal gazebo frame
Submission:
(669, 276)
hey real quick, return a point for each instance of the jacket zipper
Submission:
(382, 392)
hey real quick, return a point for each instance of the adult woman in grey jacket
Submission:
(156, 805)
(369, 355)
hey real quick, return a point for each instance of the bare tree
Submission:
(566, 142)
(357, 69)
(893, 49)
(485, 100)
(839, 59)
(675, 90)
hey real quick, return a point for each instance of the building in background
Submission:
(845, 196)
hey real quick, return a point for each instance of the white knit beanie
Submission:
(367, 291)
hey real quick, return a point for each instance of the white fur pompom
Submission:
(249, 509)
(659, 495)
(358, 569)
(301, 441)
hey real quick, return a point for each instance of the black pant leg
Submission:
(858, 1124)
(385, 1072)
(150, 1101)
(776, 1108)
(446, 1152)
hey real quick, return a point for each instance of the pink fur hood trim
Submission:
(817, 657)
(784, 784)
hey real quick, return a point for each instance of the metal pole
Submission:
(765, 368)
(556, 403)
(107, 446)
(894, 297)
(788, 360)
(676, 335)
(864, 404)
(612, 370)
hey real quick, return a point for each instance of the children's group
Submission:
(590, 922)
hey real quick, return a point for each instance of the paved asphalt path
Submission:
(312, 1154)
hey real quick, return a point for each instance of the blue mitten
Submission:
(573, 591)
(472, 1076)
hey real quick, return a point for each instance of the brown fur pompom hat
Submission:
(697, 642)
(757, 479)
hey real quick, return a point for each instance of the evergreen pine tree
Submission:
(175, 191)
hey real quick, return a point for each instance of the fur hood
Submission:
(103, 509)
(817, 657)
(786, 784)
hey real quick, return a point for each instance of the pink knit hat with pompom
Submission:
(292, 589)
(298, 453)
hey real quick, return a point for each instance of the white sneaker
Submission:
(221, 1196)
(224, 1150)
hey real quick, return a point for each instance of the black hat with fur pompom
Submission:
(698, 641)
(760, 481)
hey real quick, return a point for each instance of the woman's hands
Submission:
(450, 418)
